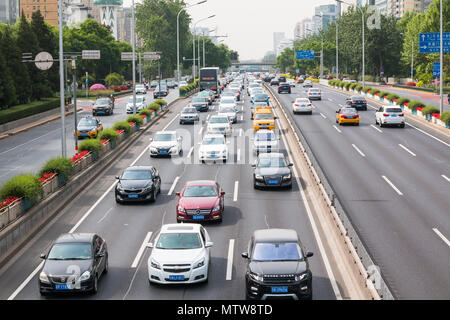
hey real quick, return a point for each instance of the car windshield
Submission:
(70, 251)
(227, 100)
(263, 116)
(138, 100)
(226, 110)
(198, 99)
(189, 110)
(265, 136)
(174, 241)
(301, 101)
(271, 162)
(103, 102)
(219, 120)
(136, 175)
(165, 137)
(200, 191)
(348, 111)
(228, 94)
(394, 110)
(261, 97)
(213, 140)
(140, 87)
(282, 251)
(87, 122)
(314, 90)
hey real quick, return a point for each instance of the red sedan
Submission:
(200, 201)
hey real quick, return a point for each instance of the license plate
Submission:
(279, 289)
(188, 119)
(393, 115)
(349, 117)
(61, 287)
(133, 196)
(99, 112)
(176, 278)
(198, 217)
(273, 181)
(84, 134)
(163, 151)
(359, 105)
(213, 155)
(264, 127)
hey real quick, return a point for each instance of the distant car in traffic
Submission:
(265, 141)
(307, 83)
(302, 105)
(219, 125)
(213, 148)
(347, 116)
(189, 115)
(200, 103)
(357, 102)
(141, 89)
(140, 104)
(390, 115)
(314, 94)
(274, 82)
(137, 184)
(284, 87)
(88, 127)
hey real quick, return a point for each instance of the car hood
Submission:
(263, 121)
(137, 184)
(163, 144)
(265, 143)
(277, 267)
(130, 105)
(185, 256)
(218, 125)
(198, 103)
(198, 202)
(272, 171)
(213, 147)
(65, 267)
(228, 114)
(84, 128)
(101, 106)
(189, 115)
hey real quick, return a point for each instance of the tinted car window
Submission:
(200, 191)
(277, 251)
(70, 251)
(174, 241)
(137, 175)
(393, 110)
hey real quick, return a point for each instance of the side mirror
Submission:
(43, 256)
(150, 245)
(99, 255)
(177, 193)
(209, 244)
(222, 193)
(253, 165)
(151, 139)
(117, 177)
(244, 255)
(290, 165)
(309, 254)
(275, 118)
(337, 111)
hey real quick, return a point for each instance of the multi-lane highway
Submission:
(28, 151)
(127, 228)
(394, 184)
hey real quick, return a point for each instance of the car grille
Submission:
(279, 278)
(198, 211)
(84, 131)
(176, 268)
(133, 191)
(61, 279)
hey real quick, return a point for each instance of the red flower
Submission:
(436, 115)
(79, 156)
(8, 201)
(132, 124)
(143, 116)
(46, 176)
(119, 131)
(104, 141)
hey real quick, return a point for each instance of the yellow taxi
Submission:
(263, 118)
(347, 115)
(88, 127)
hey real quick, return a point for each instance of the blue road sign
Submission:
(431, 42)
(87, 80)
(297, 70)
(305, 54)
(436, 70)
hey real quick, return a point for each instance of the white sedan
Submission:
(165, 143)
(139, 104)
(219, 124)
(181, 254)
(213, 147)
(302, 105)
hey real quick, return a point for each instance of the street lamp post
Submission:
(204, 64)
(321, 52)
(193, 44)
(61, 81)
(133, 37)
(178, 36)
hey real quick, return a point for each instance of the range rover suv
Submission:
(277, 266)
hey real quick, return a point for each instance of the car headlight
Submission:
(85, 276)
(217, 208)
(181, 209)
(301, 277)
(199, 264)
(258, 177)
(119, 187)
(255, 276)
(152, 149)
(155, 264)
(43, 277)
(287, 177)
(148, 188)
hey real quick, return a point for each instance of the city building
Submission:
(283, 44)
(77, 12)
(109, 14)
(323, 16)
(48, 8)
(399, 7)
(9, 11)
(277, 37)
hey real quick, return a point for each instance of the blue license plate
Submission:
(133, 196)
(100, 112)
(359, 105)
(279, 289)
(273, 181)
(213, 156)
(264, 128)
(188, 119)
(84, 134)
(176, 278)
(198, 217)
(393, 115)
(61, 287)
(349, 117)
(163, 151)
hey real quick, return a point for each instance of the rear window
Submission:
(399, 110)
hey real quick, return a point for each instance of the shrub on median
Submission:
(108, 134)
(347, 85)
(391, 97)
(413, 105)
(383, 94)
(353, 85)
(430, 110)
(445, 118)
(61, 166)
(92, 145)
(24, 186)
(367, 89)
(136, 119)
(147, 112)
(154, 106)
(358, 87)
(402, 101)
(374, 91)
(122, 125)
(161, 102)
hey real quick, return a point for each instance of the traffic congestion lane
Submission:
(29, 150)
(230, 175)
(371, 214)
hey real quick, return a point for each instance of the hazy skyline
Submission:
(250, 24)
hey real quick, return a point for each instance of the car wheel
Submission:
(153, 198)
(381, 124)
(310, 112)
(402, 125)
(376, 121)
(105, 271)
(178, 220)
(255, 186)
(95, 286)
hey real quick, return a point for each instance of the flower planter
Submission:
(4, 217)
(105, 147)
(76, 166)
(61, 180)
(25, 205)
(47, 188)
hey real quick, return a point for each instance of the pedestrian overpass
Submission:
(253, 66)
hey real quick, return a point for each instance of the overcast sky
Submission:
(250, 24)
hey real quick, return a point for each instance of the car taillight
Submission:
(401, 115)
(309, 104)
(357, 116)
(296, 105)
(385, 114)
(343, 116)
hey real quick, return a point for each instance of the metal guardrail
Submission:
(373, 272)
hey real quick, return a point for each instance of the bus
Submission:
(209, 79)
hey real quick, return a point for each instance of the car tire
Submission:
(376, 121)
(381, 124)
(310, 112)
(105, 271)
(255, 186)
(95, 286)
(402, 125)
(153, 198)
(178, 220)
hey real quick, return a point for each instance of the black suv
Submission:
(282, 79)
(284, 87)
(103, 106)
(277, 266)
(357, 102)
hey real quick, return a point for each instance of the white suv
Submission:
(389, 115)
(219, 124)
(213, 147)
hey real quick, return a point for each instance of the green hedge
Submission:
(353, 85)
(154, 106)
(445, 117)
(358, 87)
(347, 85)
(342, 84)
(22, 186)
(147, 112)
(91, 145)
(25, 110)
(373, 91)
(108, 134)
(367, 89)
(430, 110)
(61, 166)
(136, 119)
(391, 96)
(402, 101)
(122, 125)
(413, 105)
(161, 102)
(383, 94)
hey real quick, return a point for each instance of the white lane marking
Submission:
(373, 107)
(238, 155)
(230, 260)
(240, 132)
(141, 250)
(242, 108)
(20, 145)
(445, 177)
(337, 129)
(323, 253)
(107, 212)
(242, 118)
(207, 118)
(392, 185)
(359, 151)
(27, 280)
(236, 189)
(265, 220)
(173, 186)
(323, 116)
(406, 149)
(441, 236)
(330, 99)
(190, 152)
(373, 126)
(340, 105)
(430, 135)
(213, 107)
(200, 131)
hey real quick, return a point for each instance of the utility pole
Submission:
(61, 82)
(133, 37)
(74, 72)
(441, 69)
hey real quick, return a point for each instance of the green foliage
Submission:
(374, 91)
(383, 94)
(402, 101)
(414, 104)
(61, 166)
(91, 145)
(21, 111)
(367, 89)
(161, 102)
(114, 79)
(154, 106)
(147, 112)
(391, 96)
(108, 134)
(22, 186)
(445, 117)
(430, 110)
(347, 85)
(353, 85)
(122, 125)
(358, 87)
(136, 119)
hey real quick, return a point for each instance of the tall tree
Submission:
(7, 89)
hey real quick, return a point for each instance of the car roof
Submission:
(357, 97)
(263, 110)
(217, 116)
(201, 183)
(275, 235)
(75, 237)
(302, 99)
(139, 168)
(265, 131)
(214, 135)
(271, 155)
(180, 228)
(164, 132)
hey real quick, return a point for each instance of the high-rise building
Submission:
(48, 8)
(399, 7)
(283, 44)
(277, 37)
(9, 10)
(303, 28)
(323, 16)
(109, 12)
